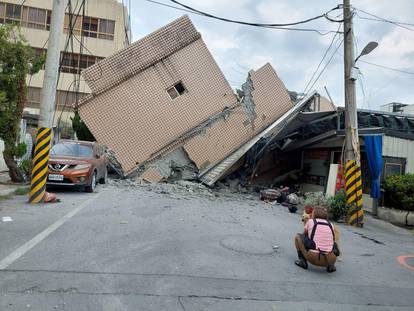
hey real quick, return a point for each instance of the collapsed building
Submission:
(164, 108)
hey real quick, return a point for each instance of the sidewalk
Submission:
(7, 187)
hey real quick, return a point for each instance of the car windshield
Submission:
(72, 150)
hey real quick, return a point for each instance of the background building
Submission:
(398, 108)
(102, 26)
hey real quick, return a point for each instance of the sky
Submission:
(295, 55)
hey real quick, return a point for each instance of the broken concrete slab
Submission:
(152, 175)
(271, 100)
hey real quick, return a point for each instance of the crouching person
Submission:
(317, 243)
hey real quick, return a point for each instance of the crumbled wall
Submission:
(271, 100)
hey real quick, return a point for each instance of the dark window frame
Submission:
(393, 161)
(178, 89)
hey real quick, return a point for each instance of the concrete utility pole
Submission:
(351, 120)
(48, 95)
(47, 104)
(353, 179)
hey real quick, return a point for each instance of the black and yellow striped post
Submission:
(353, 189)
(40, 165)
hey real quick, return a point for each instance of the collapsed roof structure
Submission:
(163, 106)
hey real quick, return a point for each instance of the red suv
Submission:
(77, 164)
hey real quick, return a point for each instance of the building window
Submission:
(106, 29)
(90, 27)
(33, 97)
(67, 99)
(177, 90)
(12, 13)
(392, 169)
(40, 19)
(2, 12)
(76, 23)
(34, 18)
(393, 166)
(75, 63)
(28, 16)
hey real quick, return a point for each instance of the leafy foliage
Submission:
(25, 167)
(17, 59)
(316, 199)
(337, 206)
(20, 150)
(80, 128)
(399, 191)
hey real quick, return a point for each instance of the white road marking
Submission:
(4, 263)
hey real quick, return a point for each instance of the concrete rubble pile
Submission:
(166, 111)
(184, 190)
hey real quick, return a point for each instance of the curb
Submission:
(396, 217)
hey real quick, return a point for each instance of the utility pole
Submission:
(47, 104)
(353, 184)
(351, 121)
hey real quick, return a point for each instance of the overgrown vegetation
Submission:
(25, 166)
(80, 128)
(337, 206)
(316, 199)
(399, 191)
(22, 191)
(17, 59)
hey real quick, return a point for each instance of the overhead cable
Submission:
(327, 64)
(269, 26)
(125, 25)
(321, 61)
(386, 67)
(384, 20)
(254, 24)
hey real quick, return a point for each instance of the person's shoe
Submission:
(330, 268)
(301, 263)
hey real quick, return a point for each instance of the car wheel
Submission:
(91, 187)
(105, 177)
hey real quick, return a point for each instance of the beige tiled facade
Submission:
(271, 99)
(131, 111)
(137, 117)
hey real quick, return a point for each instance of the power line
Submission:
(253, 24)
(125, 26)
(327, 64)
(268, 26)
(386, 67)
(323, 58)
(361, 83)
(384, 20)
(69, 38)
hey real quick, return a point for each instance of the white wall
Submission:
(402, 148)
(3, 166)
(409, 109)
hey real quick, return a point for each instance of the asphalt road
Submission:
(127, 248)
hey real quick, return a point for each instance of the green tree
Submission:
(17, 59)
(80, 128)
